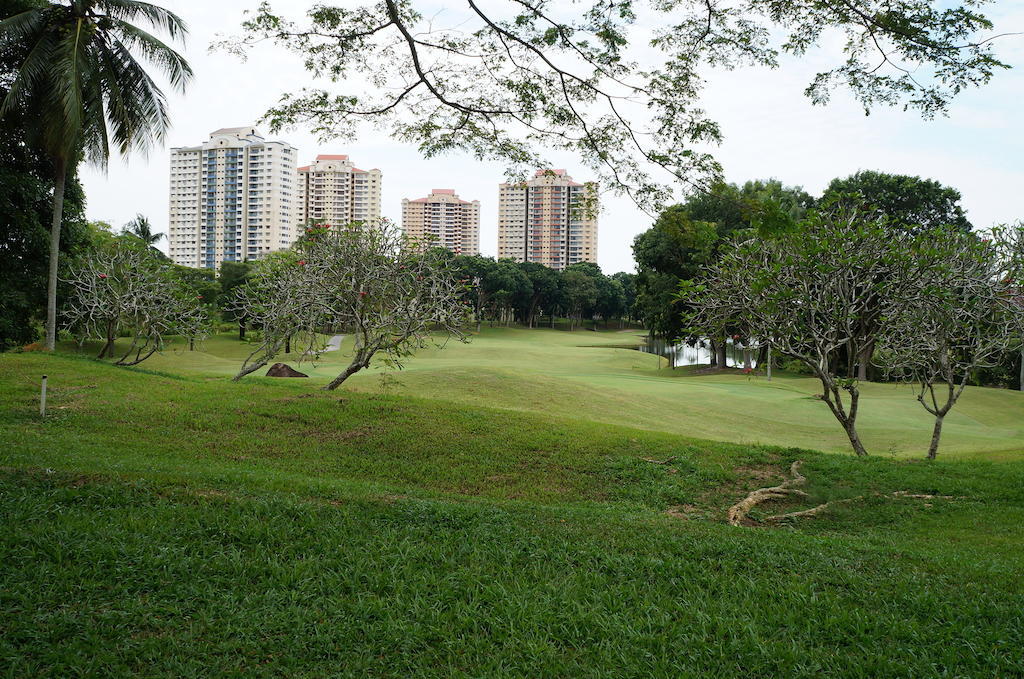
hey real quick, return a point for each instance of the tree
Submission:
(25, 208)
(544, 290)
(367, 281)
(910, 202)
(962, 313)
(508, 288)
(628, 282)
(807, 291)
(580, 293)
(124, 287)
(515, 82)
(78, 87)
(473, 270)
(674, 249)
(232, 276)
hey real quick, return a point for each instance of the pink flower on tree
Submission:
(103, 275)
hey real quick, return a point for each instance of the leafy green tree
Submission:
(580, 292)
(544, 290)
(475, 272)
(628, 282)
(509, 288)
(78, 87)
(909, 202)
(531, 79)
(232, 275)
(25, 207)
(672, 250)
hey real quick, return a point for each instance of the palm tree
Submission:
(142, 229)
(85, 89)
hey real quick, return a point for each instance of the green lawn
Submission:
(582, 375)
(483, 521)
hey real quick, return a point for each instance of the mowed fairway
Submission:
(583, 375)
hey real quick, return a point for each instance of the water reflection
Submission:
(699, 354)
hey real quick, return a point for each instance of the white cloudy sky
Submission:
(771, 130)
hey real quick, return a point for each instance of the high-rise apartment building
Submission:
(334, 191)
(549, 219)
(443, 219)
(233, 199)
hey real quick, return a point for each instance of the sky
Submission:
(771, 131)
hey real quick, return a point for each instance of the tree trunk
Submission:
(851, 433)
(108, 346)
(723, 357)
(241, 329)
(747, 365)
(933, 448)
(1022, 369)
(864, 359)
(768, 361)
(288, 344)
(60, 176)
(355, 366)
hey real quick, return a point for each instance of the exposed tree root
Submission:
(739, 511)
(899, 494)
(812, 511)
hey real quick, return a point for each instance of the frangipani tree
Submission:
(125, 287)
(808, 291)
(366, 280)
(963, 311)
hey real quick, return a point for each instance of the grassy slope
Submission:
(168, 525)
(547, 372)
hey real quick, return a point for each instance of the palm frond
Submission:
(171, 63)
(158, 17)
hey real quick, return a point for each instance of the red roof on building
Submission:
(326, 156)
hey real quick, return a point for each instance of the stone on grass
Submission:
(284, 370)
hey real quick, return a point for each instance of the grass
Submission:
(588, 376)
(169, 522)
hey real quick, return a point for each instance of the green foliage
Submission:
(533, 80)
(909, 202)
(26, 188)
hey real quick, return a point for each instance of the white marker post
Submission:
(42, 399)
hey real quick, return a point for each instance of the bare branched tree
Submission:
(616, 82)
(961, 313)
(125, 287)
(391, 294)
(808, 291)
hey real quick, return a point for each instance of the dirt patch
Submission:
(685, 512)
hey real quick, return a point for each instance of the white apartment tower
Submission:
(233, 199)
(333, 191)
(445, 220)
(549, 219)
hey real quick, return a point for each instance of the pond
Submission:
(685, 354)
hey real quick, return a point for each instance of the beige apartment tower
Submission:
(443, 219)
(334, 191)
(232, 199)
(549, 219)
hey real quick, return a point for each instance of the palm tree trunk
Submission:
(60, 175)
